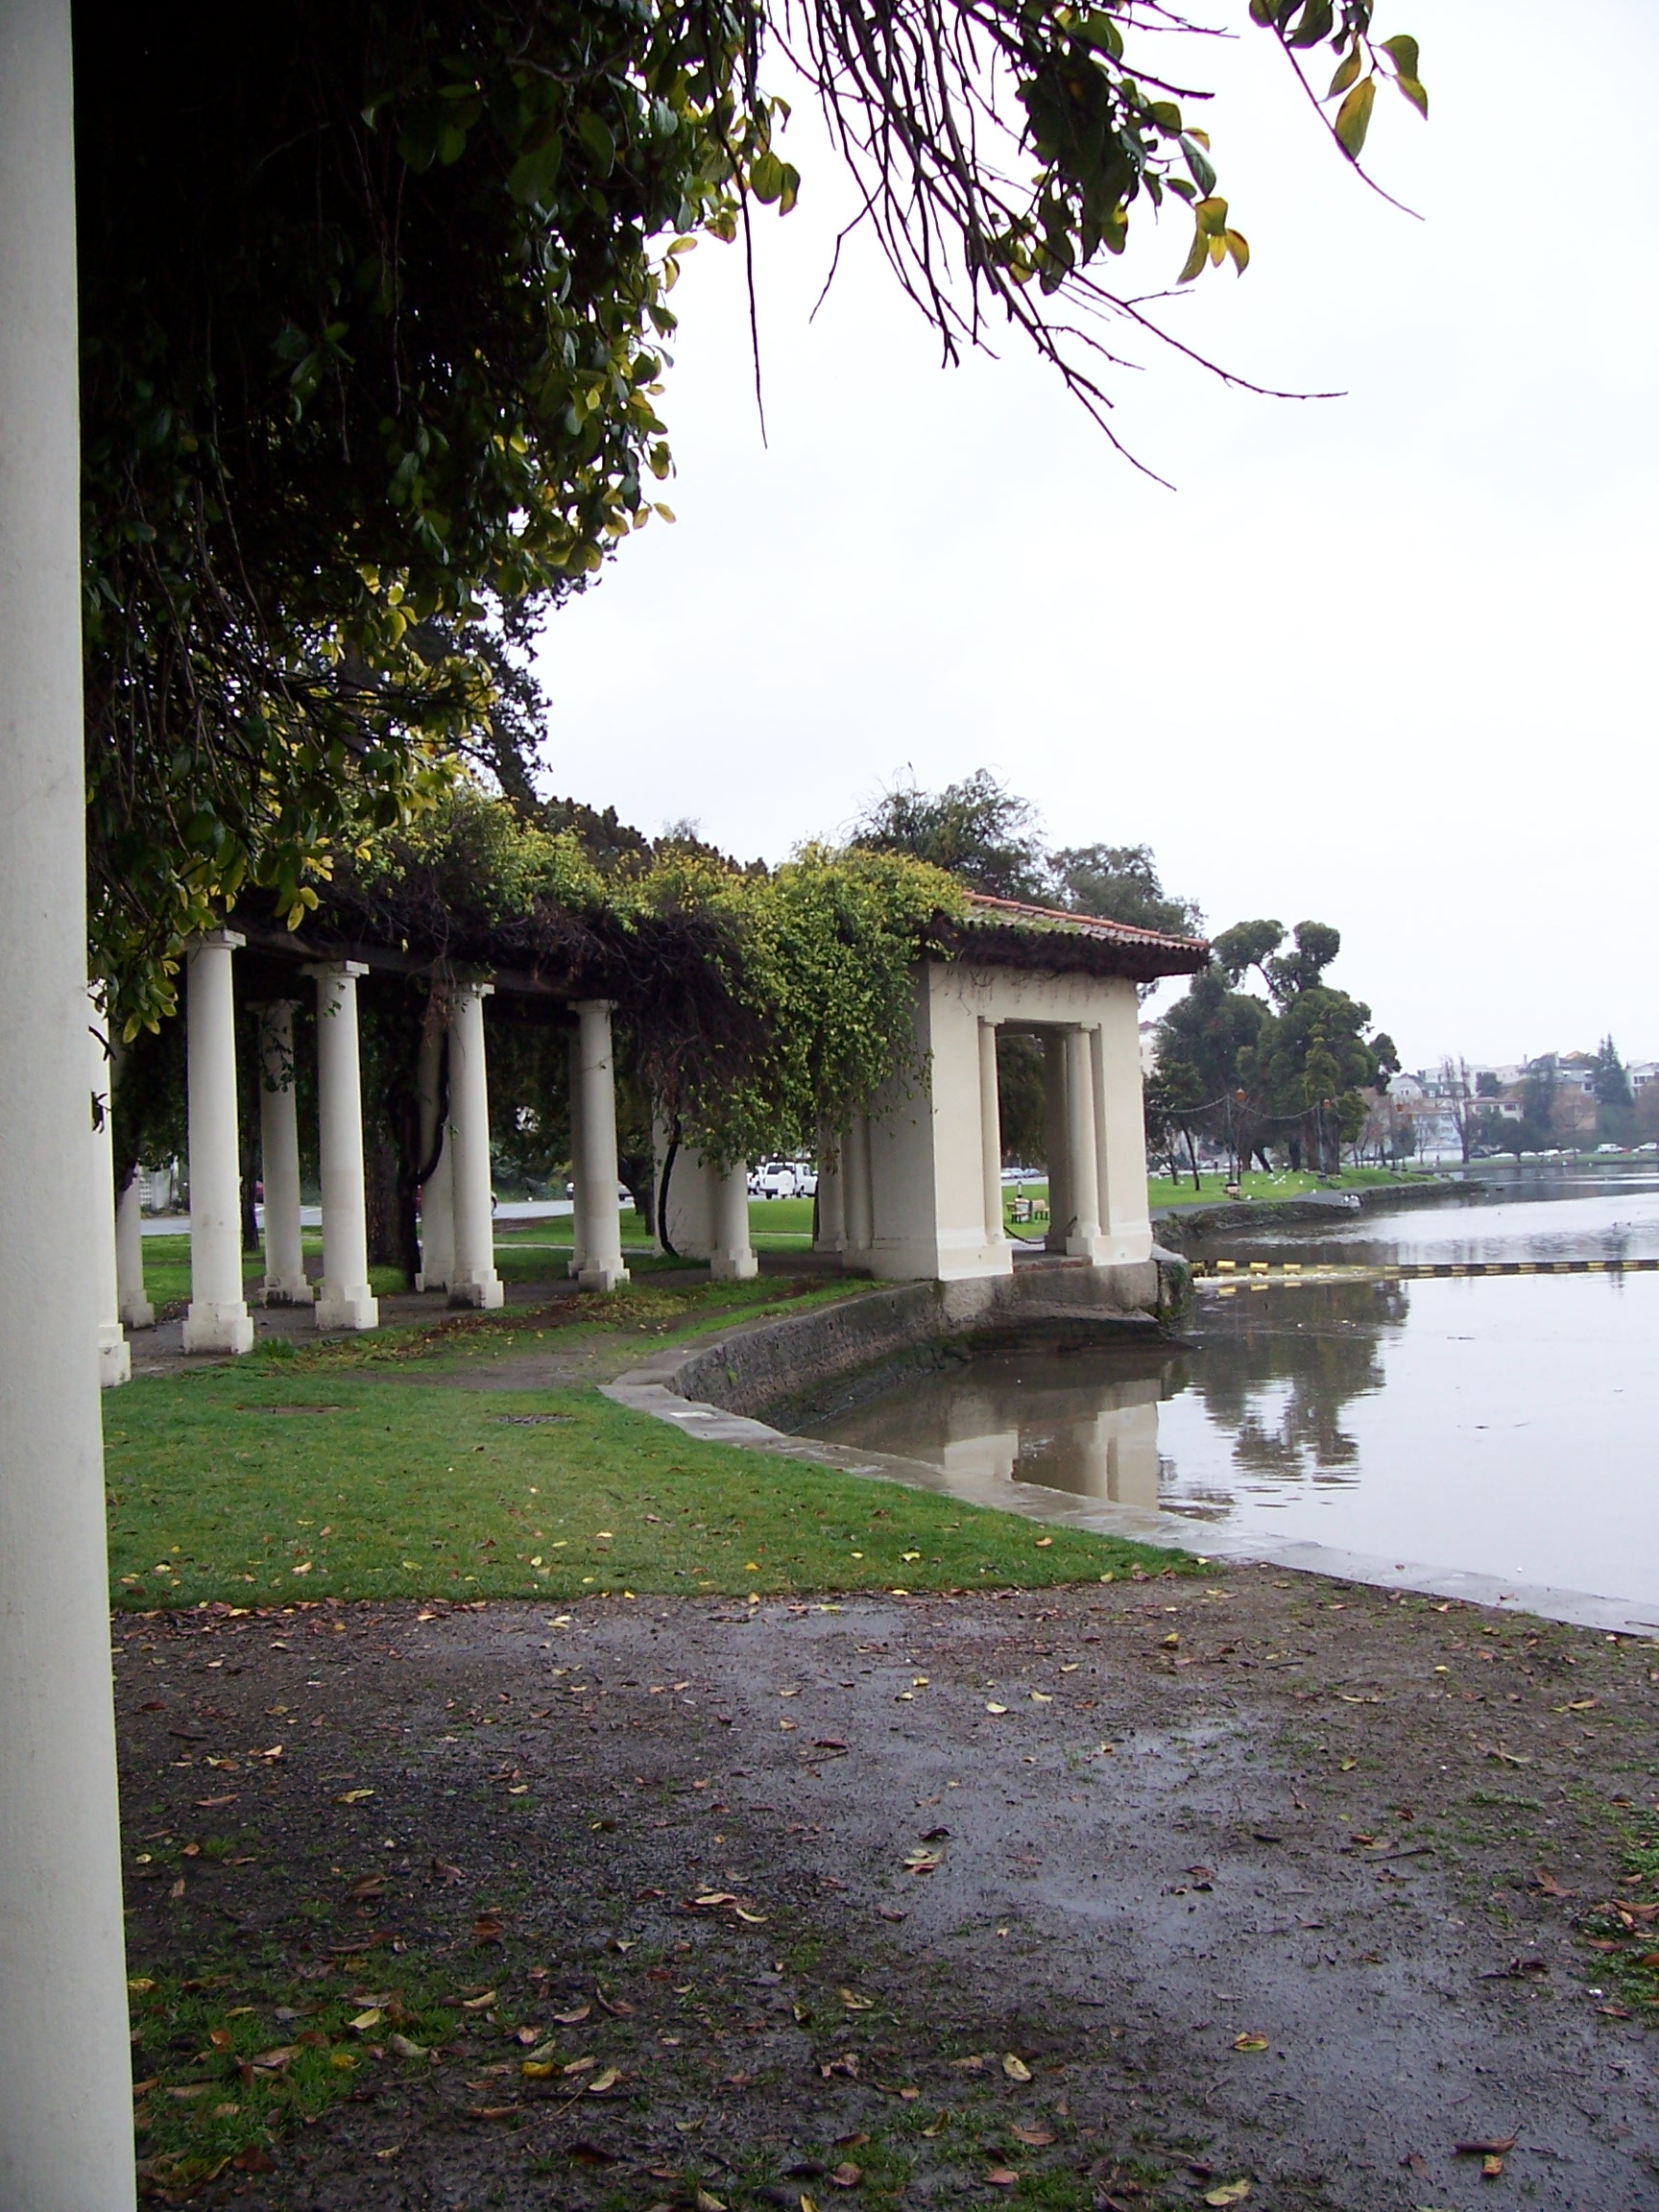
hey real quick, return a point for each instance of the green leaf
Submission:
(766, 176)
(1415, 93)
(595, 134)
(1402, 51)
(1198, 163)
(532, 175)
(1347, 69)
(1354, 117)
(1211, 217)
(1316, 24)
(1195, 259)
(1239, 246)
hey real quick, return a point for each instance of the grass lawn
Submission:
(1284, 1185)
(307, 1474)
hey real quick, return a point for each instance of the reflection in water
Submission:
(1085, 1422)
(1504, 1426)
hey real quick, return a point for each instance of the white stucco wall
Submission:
(927, 1138)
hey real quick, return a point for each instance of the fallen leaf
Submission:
(1250, 2041)
(854, 2003)
(346, 1796)
(487, 1929)
(370, 2017)
(492, 2111)
(478, 2003)
(1173, 1642)
(1037, 2138)
(1229, 2193)
(706, 2201)
(537, 2068)
(403, 2048)
(1041, 1698)
(1015, 2068)
(575, 2016)
(580, 2066)
(1002, 2177)
(996, 1708)
(1494, 2147)
(1549, 1885)
(601, 2083)
(254, 2158)
(1491, 2168)
(847, 2175)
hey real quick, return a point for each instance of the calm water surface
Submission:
(1506, 1426)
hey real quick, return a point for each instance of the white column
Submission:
(218, 1319)
(578, 1175)
(65, 2080)
(438, 1191)
(1054, 1138)
(344, 1300)
(860, 1193)
(991, 1134)
(1120, 1119)
(137, 1309)
(1083, 1236)
(114, 1357)
(602, 1267)
(475, 1280)
(733, 1258)
(831, 1238)
(285, 1282)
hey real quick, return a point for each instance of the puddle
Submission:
(1503, 1427)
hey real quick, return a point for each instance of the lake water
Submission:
(1503, 1427)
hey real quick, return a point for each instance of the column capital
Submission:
(480, 986)
(592, 1006)
(335, 971)
(216, 940)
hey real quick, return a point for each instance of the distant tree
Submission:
(978, 830)
(1460, 1100)
(1615, 1100)
(1121, 883)
(1487, 1084)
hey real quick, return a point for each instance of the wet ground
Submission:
(1104, 1897)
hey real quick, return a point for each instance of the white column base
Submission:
(280, 1293)
(483, 1293)
(601, 1275)
(734, 1267)
(218, 1328)
(356, 1308)
(138, 1313)
(115, 1357)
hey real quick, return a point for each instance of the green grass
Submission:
(260, 1486)
(193, 2036)
(1162, 1191)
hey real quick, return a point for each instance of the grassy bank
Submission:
(357, 1468)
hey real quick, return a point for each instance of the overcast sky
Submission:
(1380, 660)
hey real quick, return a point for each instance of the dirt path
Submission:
(1320, 1827)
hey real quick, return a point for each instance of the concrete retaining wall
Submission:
(803, 1366)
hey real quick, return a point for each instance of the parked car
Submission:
(774, 1179)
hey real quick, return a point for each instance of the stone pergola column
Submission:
(859, 1186)
(1082, 1171)
(991, 1135)
(114, 1355)
(285, 1282)
(136, 1311)
(733, 1258)
(438, 1189)
(344, 1300)
(600, 1217)
(65, 2076)
(1120, 1129)
(474, 1281)
(579, 1208)
(1055, 1139)
(831, 1236)
(218, 1319)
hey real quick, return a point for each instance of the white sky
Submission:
(1380, 660)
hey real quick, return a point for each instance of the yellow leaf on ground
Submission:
(1250, 2041)
(606, 2081)
(1229, 2193)
(352, 1796)
(1015, 2068)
